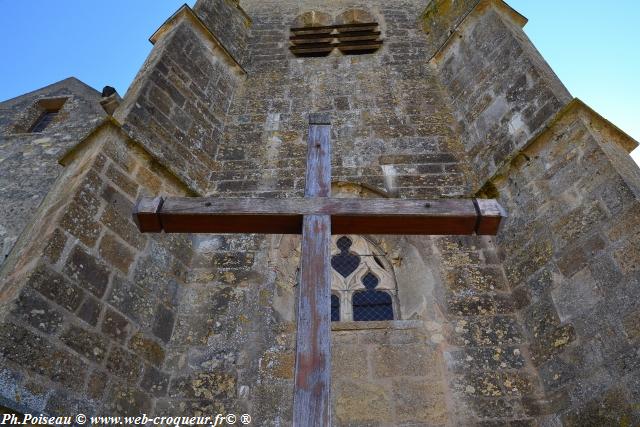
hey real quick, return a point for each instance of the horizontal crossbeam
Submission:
(348, 216)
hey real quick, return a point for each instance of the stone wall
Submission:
(502, 90)
(87, 302)
(387, 374)
(228, 22)
(392, 128)
(489, 376)
(571, 253)
(29, 161)
(177, 104)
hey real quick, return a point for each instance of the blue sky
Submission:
(594, 46)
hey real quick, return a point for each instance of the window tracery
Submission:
(363, 285)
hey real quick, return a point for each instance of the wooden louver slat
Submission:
(348, 38)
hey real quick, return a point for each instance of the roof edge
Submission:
(185, 12)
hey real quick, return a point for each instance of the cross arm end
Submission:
(490, 216)
(146, 214)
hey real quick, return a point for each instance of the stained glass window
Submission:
(363, 284)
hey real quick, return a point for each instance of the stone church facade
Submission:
(539, 326)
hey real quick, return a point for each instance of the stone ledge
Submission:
(480, 6)
(576, 107)
(364, 326)
(186, 13)
(111, 123)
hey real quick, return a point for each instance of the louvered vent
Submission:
(350, 39)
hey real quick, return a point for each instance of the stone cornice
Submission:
(479, 7)
(110, 123)
(575, 107)
(185, 13)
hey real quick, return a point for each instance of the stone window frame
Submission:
(345, 287)
(31, 116)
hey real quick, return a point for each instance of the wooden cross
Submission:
(317, 216)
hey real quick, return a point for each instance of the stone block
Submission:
(148, 349)
(37, 312)
(79, 223)
(204, 385)
(87, 271)
(479, 384)
(576, 295)
(117, 202)
(163, 323)
(127, 400)
(155, 382)
(122, 181)
(612, 409)
(349, 362)
(88, 344)
(486, 331)
(86, 194)
(90, 310)
(496, 408)
(123, 227)
(404, 360)
(577, 223)
(132, 301)
(23, 347)
(546, 347)
(419, 402)
(56, 288)
(556, 374)
(490, 358)
(55, 246)
(278, 365)
(97, 384)
(148, 180)
(116, 253)
(363, 403)
(116, 326)
(628, 257)
(124, 364)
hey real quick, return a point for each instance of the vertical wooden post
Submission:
(311, 401)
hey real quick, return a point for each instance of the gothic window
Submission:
(335, 308)
(372, 304)
(363, 285)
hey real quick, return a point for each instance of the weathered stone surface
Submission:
(124, 364)
(38, 313)
(146, 348)
(408, 360)
(155, 382)
(352, 408)
(535, 326)
(116, 253)
(163, 323)
(29, 162)
(90, 310)
(419, 402)
(55, 287)
(34, 353)
(204, 386)
(87, 271)
(97, 384)
(90, 345)
(115, 326)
